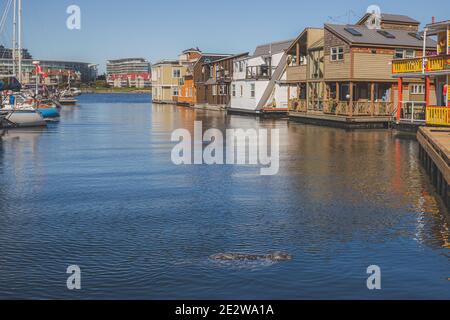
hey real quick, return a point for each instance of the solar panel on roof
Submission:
(386, 34)
(416, 35)
(353, 32)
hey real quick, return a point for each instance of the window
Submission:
(337, 54)
(303, 60)
(252, 90)
(223, 90)
(175, 91)
(386, 34)
(353, 32)
(233, 90)
(416, 35)
(404, 53)
(176, 73)
(190, 92)
(418, 89)
(410, 53)
(214, 90)
(242, 91)
(241, 66)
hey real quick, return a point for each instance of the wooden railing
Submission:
(359, 108)
(433, 63)
(298, 105)
(438, 116)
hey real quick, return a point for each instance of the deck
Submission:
(435, 157)
(356, 122)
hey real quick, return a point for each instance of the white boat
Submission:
(75, 92)
(22, 118)
(22, 113)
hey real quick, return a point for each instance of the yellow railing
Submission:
(434, 63)
(439, 116)
(407, 66)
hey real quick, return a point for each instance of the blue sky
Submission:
(161, 29)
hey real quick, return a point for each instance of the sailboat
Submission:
(67, 97)
(19, 112)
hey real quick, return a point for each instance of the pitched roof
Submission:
(275, 47)
(388, 17)
(233, 56)
(398, 18)
(372, 37)
(318, 44)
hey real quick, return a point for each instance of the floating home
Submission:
(257, 81)
(345, 77)
(166, 76)
(215, 85)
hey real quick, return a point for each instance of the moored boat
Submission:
(48, 113)
(24, 118)
(67, 99)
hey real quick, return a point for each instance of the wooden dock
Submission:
(359, 122)
(434, 155)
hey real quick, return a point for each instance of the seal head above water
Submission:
(274, 256)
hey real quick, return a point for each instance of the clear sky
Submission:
(156, 29)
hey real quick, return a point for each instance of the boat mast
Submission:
(14, 48)
(20, 39)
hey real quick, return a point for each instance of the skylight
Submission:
(416, 35)
(353, 32)
(386, 34)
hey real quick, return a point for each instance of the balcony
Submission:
(296, 73)
(359, 108)
(433, 64)
(263, 72)
(223, 75)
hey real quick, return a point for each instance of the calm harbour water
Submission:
(99, 190)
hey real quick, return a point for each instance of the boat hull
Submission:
(49, 113)
(25, 118)
(68, 102)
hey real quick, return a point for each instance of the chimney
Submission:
(433, 19)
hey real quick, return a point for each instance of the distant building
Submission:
(57, 72)
(129, 72)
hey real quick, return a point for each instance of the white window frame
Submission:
(404, 53)
(418, 89)
(233, 90)
(176, 73)
(252, 90)
(214, 90)
(337, 53)
(175, 91)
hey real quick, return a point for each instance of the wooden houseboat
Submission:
(345, 75)
(215, 85)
